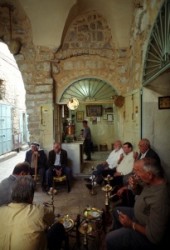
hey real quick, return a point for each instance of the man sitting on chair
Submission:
(57, 162)
(37, 159)
(110, 163)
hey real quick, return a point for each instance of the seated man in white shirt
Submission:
(124, 167)
(110, 163)
(121, 174)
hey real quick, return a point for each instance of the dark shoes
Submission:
(89, 186)
(44, 189)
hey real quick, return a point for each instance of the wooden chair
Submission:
(61, 180)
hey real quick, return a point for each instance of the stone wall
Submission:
(36, 71)
(34, 64)
(88, 50)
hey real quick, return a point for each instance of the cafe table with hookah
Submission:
(87, 229)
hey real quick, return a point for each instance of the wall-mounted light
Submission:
(73, 103)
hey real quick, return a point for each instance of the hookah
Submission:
(107, 189)
(85, 228)
(108, 178)
(51, 203)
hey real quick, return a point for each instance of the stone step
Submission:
(7, 156)
(11, 154)
(24, 147)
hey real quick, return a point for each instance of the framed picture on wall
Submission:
(94, 110)
(94, 120)
(105, 117)
(110, 117)
(79, 116)
(164, 102)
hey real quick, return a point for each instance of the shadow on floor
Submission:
(97, 158)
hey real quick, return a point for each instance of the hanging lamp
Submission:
(73, 103)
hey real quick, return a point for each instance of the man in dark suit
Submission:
(37, 159)
(57, 163)
(145, 150)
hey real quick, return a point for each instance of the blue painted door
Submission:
(5, 129)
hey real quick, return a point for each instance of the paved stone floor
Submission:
(72, 203)
(97, 157)
(8, 163)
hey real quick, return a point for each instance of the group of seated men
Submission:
(119, 166)
(47, 166)
(141, 226)
(141, 220)
(30, 226)
(145, 225)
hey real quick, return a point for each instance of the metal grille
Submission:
(89, 90)
(158, 53)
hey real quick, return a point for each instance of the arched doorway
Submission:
(92, 93)
(13, 117)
